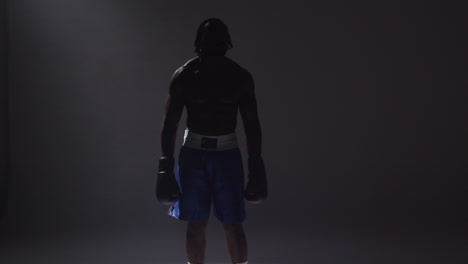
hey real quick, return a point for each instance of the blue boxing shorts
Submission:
(210, 172)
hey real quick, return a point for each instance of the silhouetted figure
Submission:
(212, 88)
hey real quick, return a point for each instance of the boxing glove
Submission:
(167, 189)
(256, 190)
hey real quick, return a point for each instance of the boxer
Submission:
(209, 170)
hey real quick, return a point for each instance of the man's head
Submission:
(213, 38)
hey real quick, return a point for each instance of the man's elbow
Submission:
(169, 126)
(252, 124)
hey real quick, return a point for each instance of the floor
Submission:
(286, 245)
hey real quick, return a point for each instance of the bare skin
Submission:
(212, 90)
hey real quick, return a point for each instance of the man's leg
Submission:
(237, 242)
(196, 241)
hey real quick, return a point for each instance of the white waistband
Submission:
(212, 143)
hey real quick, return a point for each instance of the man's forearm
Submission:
(253, 132)
(168, 139)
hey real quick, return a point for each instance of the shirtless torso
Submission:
(212, 91)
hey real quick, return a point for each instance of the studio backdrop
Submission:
(358, 101)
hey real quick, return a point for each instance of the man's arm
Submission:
(256, 190)
(173, 111)
(249, 114)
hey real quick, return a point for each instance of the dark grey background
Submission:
(361, 104)
(4, 175)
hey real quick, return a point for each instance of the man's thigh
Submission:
(228, 185)
(192, 177)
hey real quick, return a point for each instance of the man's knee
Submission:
(196, 228)
(233, 228)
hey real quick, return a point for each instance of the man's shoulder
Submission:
(240, 71)
(190, 63)
(185, 69)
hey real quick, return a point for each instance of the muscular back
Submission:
(211, 95)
